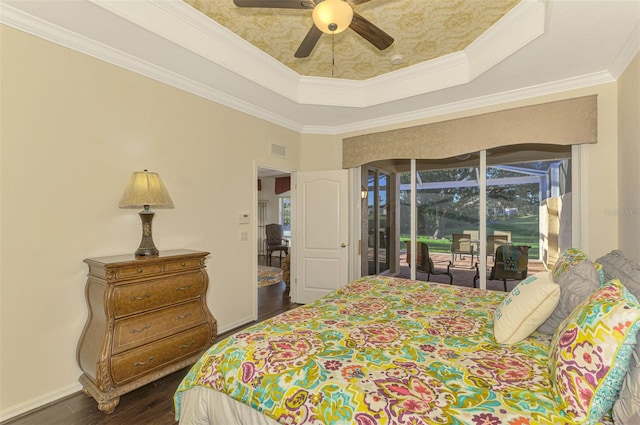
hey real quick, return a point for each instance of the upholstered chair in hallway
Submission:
(275, 241)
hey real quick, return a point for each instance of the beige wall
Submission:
(320, 152)
(629, 159)
(74, 128)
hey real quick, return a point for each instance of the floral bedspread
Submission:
(384, 350)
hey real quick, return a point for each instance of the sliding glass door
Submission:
(378, 213)
(517, 196)
(530, 203)
(446, 212)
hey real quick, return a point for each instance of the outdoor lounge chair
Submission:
(424, 262)
(511, 263)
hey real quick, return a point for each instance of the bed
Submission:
(380, 350)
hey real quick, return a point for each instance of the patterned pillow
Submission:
(569, 258)
(600, 270)
(616, 266)
(589, 353)
(578, 278)
(626, 410)
(525, 308)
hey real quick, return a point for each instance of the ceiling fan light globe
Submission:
(332, 14)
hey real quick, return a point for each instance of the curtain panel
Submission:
(565, 122)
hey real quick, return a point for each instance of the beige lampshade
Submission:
(332, 16)
(145, 188)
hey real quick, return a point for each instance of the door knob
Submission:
(344, 245)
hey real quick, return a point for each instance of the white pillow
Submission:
(529, 304)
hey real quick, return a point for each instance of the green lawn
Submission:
(524, 231)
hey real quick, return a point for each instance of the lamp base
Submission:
(147, 248)
(147, 252)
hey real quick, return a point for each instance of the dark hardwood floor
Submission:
(153, 403)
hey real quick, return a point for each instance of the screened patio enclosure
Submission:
(527, 199)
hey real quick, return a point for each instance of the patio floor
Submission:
(463, 272)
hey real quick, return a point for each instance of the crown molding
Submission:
(523, 24)
(178, 22)
(444, 72)
(580, 82)
(22, 21)
(25, 22)
(516, 29)
(629, 51)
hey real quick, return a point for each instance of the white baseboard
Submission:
(236, 324)
(40, 401)
(60, 393)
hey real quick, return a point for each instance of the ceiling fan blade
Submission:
(308, 43)
(277, 4)
(370, 32)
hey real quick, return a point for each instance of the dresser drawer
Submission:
(141, 329)
(137, 271)
(142, 296)
(151, 357)
(187, 263)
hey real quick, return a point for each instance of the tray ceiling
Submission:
(533, 48)
(423, 30)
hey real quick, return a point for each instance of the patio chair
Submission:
(424, 262)
(506, 233)
(461, 245)
(494, 241)
(275, 241)
(475, 234)
(511, 263)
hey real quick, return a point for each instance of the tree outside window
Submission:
(285, 215)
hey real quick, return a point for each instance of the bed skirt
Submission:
(202, 406)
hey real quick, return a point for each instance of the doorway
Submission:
(274, 207)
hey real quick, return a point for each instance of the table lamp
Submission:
(145, 190)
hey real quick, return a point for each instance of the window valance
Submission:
(283, 184)
(564, 122)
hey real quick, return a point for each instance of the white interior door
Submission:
(321, 244)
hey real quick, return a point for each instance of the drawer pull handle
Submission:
(144, 328)
(144, 362)
(136, 298)
(183, 346)
(184, 316)
(183, 288)
(139, 270)
(183, 264)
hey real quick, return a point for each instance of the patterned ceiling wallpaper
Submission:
(422, 29)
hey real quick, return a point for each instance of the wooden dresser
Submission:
(148, 317)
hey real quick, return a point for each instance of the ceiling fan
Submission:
(329, 16)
